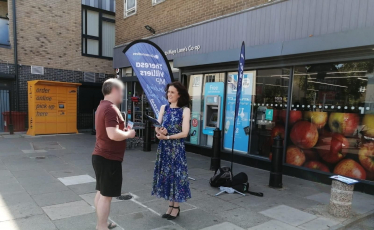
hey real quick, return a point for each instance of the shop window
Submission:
(331, 122)
(196, 85)
(261, 113)
(130, 8)
(98, 33)
(4, 24)
(244, 113)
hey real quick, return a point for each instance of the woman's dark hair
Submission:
(184, 97)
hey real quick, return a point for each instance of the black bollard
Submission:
(147, 136)
(215, 162)
(276, 163)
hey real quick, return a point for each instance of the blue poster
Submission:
(244, 112)
(152, 71)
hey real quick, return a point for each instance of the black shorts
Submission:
(108, 176)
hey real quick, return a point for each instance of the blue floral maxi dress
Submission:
(170, 180)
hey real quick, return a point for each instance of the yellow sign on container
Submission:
(52, 107)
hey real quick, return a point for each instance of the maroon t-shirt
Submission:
(108, 115)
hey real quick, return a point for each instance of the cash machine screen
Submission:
(213, 120)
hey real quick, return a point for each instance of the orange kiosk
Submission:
(52, 107)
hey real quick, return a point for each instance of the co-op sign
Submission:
(182, 50)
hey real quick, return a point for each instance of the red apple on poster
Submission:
(304, 134)
(333, 149)
(294, 116)
(366, 157)
(344, 123)
(277, 130)
(368, 123)
(350, 168)
(317, 166)
(295, 156)
(317, 118)
(311, 154)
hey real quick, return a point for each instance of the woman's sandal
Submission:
(174, 217)
(166, 216)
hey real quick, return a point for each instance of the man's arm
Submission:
(115, 134)
(113, 131)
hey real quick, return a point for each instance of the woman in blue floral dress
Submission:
(170, 180)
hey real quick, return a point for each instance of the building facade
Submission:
(308, 77)
(69, 41)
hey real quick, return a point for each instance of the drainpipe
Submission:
(15, 52)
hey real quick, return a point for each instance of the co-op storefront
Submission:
(312, 83)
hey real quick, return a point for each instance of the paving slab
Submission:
(81, 189)
(61, 211)
(67, 172)
(82, 222)
(323, 198)
(213, 205)
(243, 217)
(74, 180)
(25, 209)
(27, 151)
(320, 223)
(145, 220)
(274, 225)
(48, 199)
(288, 215)
(197, 219)
(34, 189)
(36, 180)
(125, 208)
(170, 227)
(39, 222)
(15, 198)
(223, 226)
(160, 206)
(11, 188)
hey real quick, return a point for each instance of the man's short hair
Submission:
(109, 84)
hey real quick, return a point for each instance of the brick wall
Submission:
(3, 9)
(172, 14)
(49, 35)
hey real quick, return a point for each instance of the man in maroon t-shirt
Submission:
(109, 150)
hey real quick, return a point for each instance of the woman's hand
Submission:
(161, 136)
(163, 131)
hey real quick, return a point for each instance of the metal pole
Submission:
(215, 161)
(275, 180)
(15, 51)
(147, 136)
(10, 126)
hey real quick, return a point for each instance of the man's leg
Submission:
(97, 197)
(103, 209)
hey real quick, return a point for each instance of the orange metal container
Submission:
(52, 107)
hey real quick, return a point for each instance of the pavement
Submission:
(47, 182)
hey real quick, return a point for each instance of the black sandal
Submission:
(112, 225)
(174, 217)
(166, 216)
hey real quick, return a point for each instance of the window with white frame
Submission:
(130, 7)
(154, 2)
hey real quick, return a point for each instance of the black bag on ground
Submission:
(240, 183)
(222, 177)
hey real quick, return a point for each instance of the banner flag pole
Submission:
(237, 101)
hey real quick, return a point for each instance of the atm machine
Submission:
(213, 105)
